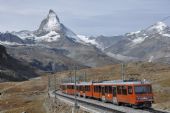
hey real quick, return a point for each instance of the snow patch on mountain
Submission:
(121, 57)
(167, 35)
(132, 33)
(151, 59)
(87, 40)
(50, 37)
(9, 43)
(24, 34)
(139, 40)
(159, 27)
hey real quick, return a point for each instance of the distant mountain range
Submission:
(151, 44)
(55, 47)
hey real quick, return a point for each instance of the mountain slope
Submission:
(12, 69)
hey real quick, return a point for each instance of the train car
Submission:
(134, 93)
(68, 88)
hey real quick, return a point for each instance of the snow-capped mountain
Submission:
(150, 43)
(50, 30)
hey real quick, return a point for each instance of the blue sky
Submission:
(87, 17)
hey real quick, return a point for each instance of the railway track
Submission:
(108, 107)
(109, 110)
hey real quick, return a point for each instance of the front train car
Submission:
(143, 94)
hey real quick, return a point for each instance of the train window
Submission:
(95, 88)
(99, 88)
(130, 91)
(114, 91)
(103, 90)
(119, 90)
(83, 89)
(106, 89)
(110, 89)
(142, 89)
(87, 88)
(77, 87)
(124, 90)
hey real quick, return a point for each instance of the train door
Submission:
(103, 93)
(84, 94)
(114, 92)
(130, 95)
(66, 89)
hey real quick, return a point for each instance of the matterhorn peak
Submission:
(53, 22)
(53, 15)
(50, 24)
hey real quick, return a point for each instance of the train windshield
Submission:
(142, 89)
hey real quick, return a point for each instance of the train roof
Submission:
(78, 83)
(122, 82)
(113, 82)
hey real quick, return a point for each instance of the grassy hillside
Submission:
(27, 96)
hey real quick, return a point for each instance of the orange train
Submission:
(134, 93)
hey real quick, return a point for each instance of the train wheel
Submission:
(84, 95)
(119, 103)
(134, 106)
(103, 99)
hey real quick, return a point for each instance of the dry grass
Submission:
(25, 96)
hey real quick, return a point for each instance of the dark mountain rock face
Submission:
(13, 70)
(3, 52)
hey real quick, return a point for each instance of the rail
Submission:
(108, 106)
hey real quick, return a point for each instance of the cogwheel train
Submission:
(137, 94)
